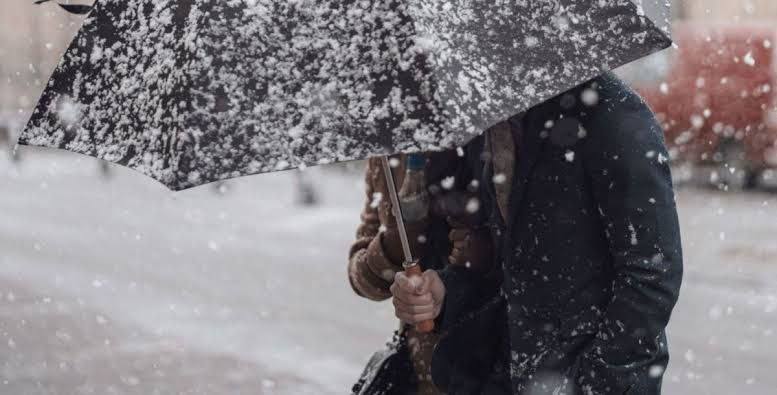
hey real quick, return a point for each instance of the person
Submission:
(449, 236)
(579, 195)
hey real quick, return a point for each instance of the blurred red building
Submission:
(717, 98)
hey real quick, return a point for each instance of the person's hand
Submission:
(417, 298)
(471, 248)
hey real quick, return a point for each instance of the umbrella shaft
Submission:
(397, 209)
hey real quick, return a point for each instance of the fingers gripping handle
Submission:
(412, 270)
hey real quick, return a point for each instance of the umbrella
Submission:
(194, 91)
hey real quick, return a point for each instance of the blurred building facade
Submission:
(726, 10)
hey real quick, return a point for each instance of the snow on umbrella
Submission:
(194, 91)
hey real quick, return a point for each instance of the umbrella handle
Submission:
(427, 326)
(412, 268)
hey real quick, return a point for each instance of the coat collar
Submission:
(530, 145)
(534, 129)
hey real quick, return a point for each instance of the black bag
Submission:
(389, 371)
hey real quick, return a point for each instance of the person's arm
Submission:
(627, 164)
(468, 280)
(376, 255)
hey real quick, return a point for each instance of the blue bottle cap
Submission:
(415, 162)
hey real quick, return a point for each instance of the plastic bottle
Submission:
(413, 195)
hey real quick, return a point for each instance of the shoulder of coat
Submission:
(615, 95)
(621, 117)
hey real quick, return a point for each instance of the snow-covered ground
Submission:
(112, 284)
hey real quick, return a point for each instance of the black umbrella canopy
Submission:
(194, 91)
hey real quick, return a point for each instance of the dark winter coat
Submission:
(590, 254)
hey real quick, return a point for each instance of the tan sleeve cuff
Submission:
(364, 282)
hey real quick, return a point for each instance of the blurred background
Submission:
(110, 284)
